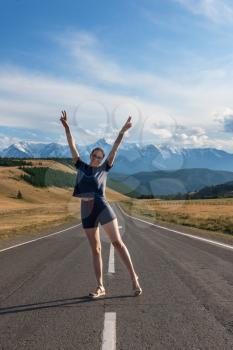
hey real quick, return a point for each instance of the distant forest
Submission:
(224, 190)
(4, 161)
(44, 177)
(13, 162)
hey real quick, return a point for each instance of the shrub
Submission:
(19, 195)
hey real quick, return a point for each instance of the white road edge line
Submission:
(223, 245)
(111, 266)
(37, 239)
(109, 331)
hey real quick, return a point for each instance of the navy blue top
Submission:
(90, 181)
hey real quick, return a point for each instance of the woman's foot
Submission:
(137, 290)
(99, 292)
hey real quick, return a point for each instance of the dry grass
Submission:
(208, 214)
(40, 208)
(43, 208)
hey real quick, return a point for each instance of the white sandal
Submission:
(100, 291)
(138, 290)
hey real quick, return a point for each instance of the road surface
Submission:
(187, 300)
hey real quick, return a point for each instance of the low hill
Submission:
(159, 183)
(218, 191)
(39, 208)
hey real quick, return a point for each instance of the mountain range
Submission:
(160, 182)
(131, 157)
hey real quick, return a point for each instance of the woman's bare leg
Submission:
(112, 230)
(94, 240)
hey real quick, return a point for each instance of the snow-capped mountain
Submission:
(131, 157)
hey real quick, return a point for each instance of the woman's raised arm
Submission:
(70, 139)
(116, 145)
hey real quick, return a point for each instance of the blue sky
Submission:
(167, 63)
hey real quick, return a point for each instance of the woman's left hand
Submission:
(127, 125)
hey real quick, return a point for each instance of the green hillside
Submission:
(160, 183)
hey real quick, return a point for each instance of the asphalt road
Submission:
(187, 299)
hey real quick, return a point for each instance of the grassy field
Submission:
(209, 214)
(40, 208)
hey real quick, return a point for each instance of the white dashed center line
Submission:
(111, 265)
(109, 332)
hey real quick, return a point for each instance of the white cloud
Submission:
(86, 56)
(219, 11)
(225, 119)
(221, 143)
(228, 123)
(190, 136)
(164, 134)
(36, 100)
(6, 141)
(195, 94)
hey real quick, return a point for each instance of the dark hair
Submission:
(98, 149)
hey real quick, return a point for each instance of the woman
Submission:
(90, 187)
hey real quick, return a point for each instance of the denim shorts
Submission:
(95, 211)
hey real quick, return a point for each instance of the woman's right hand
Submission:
(63, 119)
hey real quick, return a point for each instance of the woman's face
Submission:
(96, 158)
